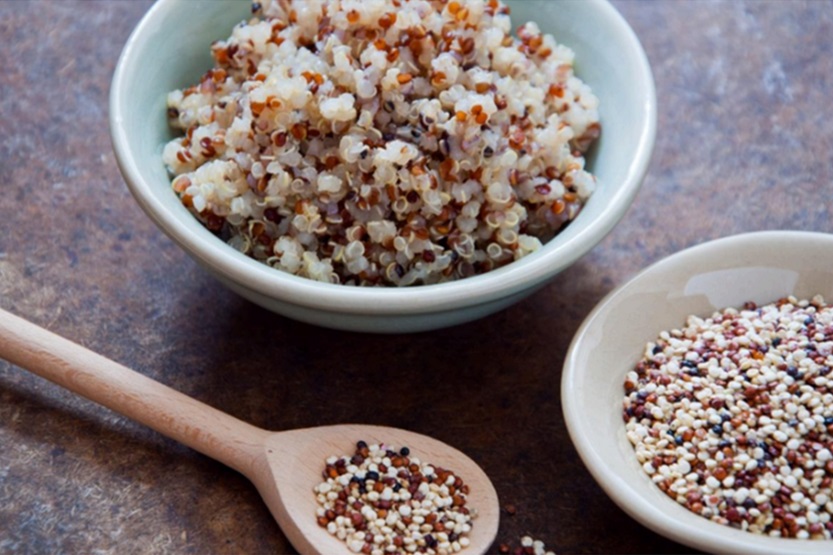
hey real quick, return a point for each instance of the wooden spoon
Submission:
(284, 466)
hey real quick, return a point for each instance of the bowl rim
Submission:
(520, 275)
(693, 530)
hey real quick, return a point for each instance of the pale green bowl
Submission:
(169, 49)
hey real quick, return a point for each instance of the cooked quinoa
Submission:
(384, 142)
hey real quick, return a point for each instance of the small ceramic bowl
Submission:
(170, 49)
(760, 267)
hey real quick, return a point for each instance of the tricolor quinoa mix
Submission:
(384, 142)
(383, 500)
(732, 417)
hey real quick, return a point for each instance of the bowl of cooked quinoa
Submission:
(700, 396)
(384, 165)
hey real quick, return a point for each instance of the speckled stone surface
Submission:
(744, 143)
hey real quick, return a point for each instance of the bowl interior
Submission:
(170, 49)
(759, 267)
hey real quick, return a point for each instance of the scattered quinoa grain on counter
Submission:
(732, 417)
(384, 142)
(528, 546)
(380, 500)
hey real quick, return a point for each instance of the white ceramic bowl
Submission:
(759, 267)
(169, 49)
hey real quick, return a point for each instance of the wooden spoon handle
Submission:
(195, 424)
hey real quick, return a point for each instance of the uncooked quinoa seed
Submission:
(384, 142)
(732, 417)
(528, 546)
(383, 501)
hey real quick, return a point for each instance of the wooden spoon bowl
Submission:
(292, 472)
(284, 466)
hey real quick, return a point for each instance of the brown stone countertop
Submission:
(744, 143)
